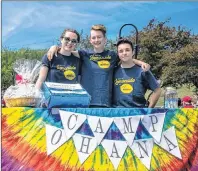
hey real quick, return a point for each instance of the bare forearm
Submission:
(144, 65)
(52, 51)
(39, 83)
(42, 77)
(137, 62)
(154, 98)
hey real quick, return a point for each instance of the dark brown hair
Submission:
(71, 30)
(125, 40)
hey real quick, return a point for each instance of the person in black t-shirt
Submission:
(65, 67)
(131, 82)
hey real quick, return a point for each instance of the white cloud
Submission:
(36, 14)
(26, 22)
(50, 16)
(12, 18)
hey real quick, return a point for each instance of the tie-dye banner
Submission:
(126, 126)
(24, 144)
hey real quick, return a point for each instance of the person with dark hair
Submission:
(97, 67)
(65, 67)
(131, 82)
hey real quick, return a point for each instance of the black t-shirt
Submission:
(130, 86)
(62, 69)
(97, 76)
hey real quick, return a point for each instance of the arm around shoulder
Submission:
(75, 53)
(144, 65)
(52, 51)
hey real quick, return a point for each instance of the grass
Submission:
(183, 91)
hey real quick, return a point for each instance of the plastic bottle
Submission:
(170, 98)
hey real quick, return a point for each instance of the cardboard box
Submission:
(58, 95)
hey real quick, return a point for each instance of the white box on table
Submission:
(58, 95)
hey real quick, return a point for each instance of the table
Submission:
(24, 142)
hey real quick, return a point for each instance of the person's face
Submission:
(97, 39)
(69, 41)
(125, 52)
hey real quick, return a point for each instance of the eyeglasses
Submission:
(73, 41)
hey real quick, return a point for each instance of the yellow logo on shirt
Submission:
(119, 81)
(104, 64)
(69, 74)
(97, 57)
(126, 88)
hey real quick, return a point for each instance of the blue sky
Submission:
(38, 25)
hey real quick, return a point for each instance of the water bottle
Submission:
(170, 98)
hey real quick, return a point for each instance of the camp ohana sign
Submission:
(97, 132)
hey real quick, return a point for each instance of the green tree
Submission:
(164, 47)
(8, 57)
(183, 67)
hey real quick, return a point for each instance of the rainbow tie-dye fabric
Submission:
(24, 142)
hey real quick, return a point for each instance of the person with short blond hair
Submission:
(99, 27)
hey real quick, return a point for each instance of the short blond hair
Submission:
(99, 27)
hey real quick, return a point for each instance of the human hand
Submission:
(145, 66)
(52, 51)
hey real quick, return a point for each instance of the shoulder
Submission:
(138, 68)
(110, 52)
(76, 54)
(45, 58)
(82, 53)
(148, 75)
(113, 54)
(45, 61)
(117, 69)
(147, 72)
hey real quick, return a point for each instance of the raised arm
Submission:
(42, 76)
(52, 51)
(144, 65)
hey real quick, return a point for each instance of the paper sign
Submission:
(99, 126)
(143, 150)
(154, 124)
(63, 86)
(115, 150)
(55, 137)
(71, 121)
(128, 127)
(85, 145)
(169, 142)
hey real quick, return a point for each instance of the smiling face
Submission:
(97, 39)
(69, 41)
(125, 52)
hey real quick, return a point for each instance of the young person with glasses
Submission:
(97, 67)
(65, 67)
